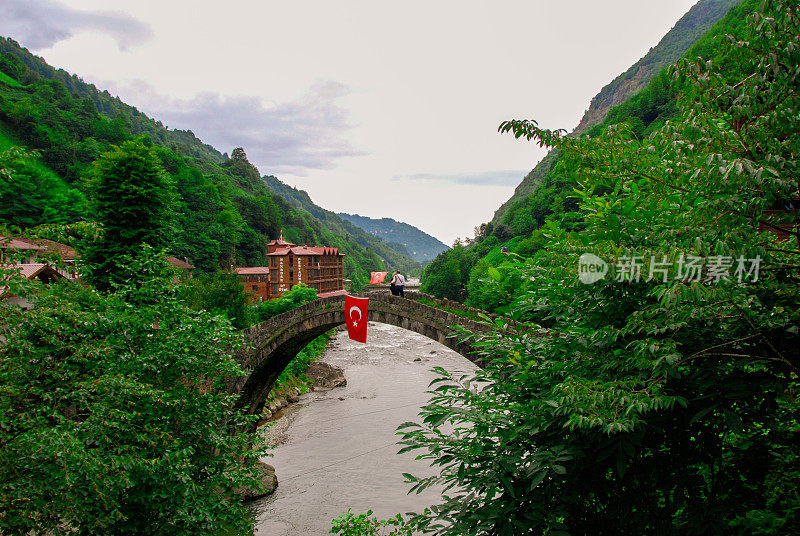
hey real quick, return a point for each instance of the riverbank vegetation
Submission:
(116, 419)
(117, 415)
(665, 400)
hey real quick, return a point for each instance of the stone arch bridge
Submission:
(273, 343)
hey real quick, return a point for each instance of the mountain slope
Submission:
(696, 22)
(391, 257)
(547, 195)
(138, 123)
(223, 213)
(422, 246)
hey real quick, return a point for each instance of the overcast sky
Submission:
(384, 109)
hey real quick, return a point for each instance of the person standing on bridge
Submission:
(397, 284)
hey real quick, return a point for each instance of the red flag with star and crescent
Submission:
(355, 315)
(377, 277)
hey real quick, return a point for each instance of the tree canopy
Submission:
(115, 417)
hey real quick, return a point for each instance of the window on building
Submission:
(255, 287)
(291, 260)
(291, 275)
(273, 262)
(274, 289)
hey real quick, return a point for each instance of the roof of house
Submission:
(281, 242)
(177, 263)
(18, 243)
(29, 271)
(40, 244)
(306, 250)
(51, 246)
(252, 270)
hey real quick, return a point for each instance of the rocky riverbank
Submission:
(277, 416)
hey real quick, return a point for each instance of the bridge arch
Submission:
(272, 344)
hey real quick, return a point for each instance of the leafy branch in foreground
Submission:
(667, 406)
(115, 417)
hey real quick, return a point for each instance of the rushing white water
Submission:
(340, 445)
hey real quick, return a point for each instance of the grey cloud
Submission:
(286, 138)
(478, 178)
(39, 24)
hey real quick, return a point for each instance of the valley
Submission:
(613, 351)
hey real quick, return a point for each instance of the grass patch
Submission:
(7, 80)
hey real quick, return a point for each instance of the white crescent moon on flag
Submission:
(355, 322)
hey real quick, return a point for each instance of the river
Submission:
(338, 448)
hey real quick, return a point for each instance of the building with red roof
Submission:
(38, 251)
(318, 267)
(20, 258)
(256, 281)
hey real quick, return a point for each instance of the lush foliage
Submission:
(297, 296)
(131, 196)
(350, 524)
(660, 406)
(32, 195)
(114, 413)
(220, 293)
(448, 274)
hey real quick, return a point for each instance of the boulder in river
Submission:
(266, 475)
(325, 376)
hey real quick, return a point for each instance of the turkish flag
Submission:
(377, 277)
(355, 315)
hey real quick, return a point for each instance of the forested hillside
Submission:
(694, 24)
(421, 246)
(393, 255)
(53, 127)
(547, 193)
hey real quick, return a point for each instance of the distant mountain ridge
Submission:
(420, 245)
(394, 256)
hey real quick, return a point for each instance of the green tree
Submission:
(447, 276)
(667, 406)
(297, 296)
(115, 417)
(132, 198)
(220, 293)
(31, 195)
